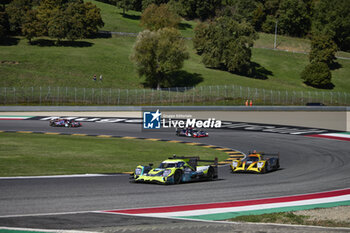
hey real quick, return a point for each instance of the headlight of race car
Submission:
(166, 172)
(260, 164)
(234, 164)
(138, 171)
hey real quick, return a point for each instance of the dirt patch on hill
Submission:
(9, 62)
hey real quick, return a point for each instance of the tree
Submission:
(269, 17)
(84, 19)
(271, 6)
(137, 5)
(199, 39)
(226, 44)
(16, 11)
(294, 17)
(199, 9)
(31, 26)
(158, 53)
(323, 49)
(4, 2)
(147, 3)
(92, 19)
(333, 18)
(317, 74)
(258, 16)
(124, 4)
(206, 9)
(58, 25)
(3, 25)
(72, 19)
(241, 10)
(269, 24)
(157, 17)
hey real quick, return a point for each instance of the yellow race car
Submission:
(256, 163)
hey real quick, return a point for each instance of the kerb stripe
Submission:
(232, 204)
(329, 137)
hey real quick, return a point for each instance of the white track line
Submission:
(44, 230)
(59, 176)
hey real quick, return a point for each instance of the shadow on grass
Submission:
(9, 41)
(254, 70)
(101, 35)
(184, 26)
(259, 72)
(177, 79)
(183, 79)
(132, 17)
(49, 43)
(328, 86)
(335, 66)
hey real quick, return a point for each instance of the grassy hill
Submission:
(74, 64)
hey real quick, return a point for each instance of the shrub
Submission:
(317, 74)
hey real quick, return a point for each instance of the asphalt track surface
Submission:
(307, 165)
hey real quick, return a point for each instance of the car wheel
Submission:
(210, 175)
(268, 166)
(177, 177)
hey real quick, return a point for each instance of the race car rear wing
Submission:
(196, 158)
(267, 155)
(193, 161)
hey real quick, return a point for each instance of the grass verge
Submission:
(37, 154)
(291, 218)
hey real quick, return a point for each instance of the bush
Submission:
(317, 75)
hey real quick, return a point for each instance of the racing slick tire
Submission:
(278, 164)
(210, 175)
(177, 177)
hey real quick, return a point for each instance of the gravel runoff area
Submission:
(338, 214)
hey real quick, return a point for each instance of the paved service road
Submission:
(307, 165)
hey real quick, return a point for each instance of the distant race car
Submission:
(176, 170)
(60, 122)
(256, 163)
(191, 132)
(74, 123)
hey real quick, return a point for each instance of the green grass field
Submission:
(74, 64)
(37, 154)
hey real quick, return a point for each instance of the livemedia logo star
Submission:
(151, 120)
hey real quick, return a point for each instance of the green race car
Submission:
(176, 170)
